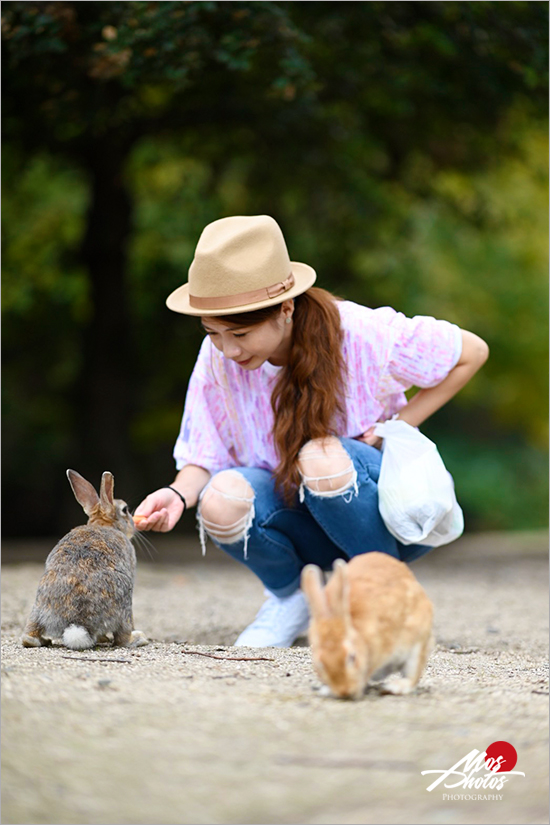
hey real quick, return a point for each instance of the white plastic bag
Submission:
(416, 495)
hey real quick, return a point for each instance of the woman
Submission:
(276, 444)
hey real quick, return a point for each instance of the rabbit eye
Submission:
(125, 509)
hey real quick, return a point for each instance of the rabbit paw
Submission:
(139, 639)
(34, 641)
(398, 687)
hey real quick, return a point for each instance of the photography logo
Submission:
(479, 772)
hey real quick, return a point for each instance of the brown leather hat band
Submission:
(243, 298)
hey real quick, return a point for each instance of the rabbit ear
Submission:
(83, 491)
(340, 573)
(312, 585)
(107, 489)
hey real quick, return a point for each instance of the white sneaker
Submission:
(279, 622)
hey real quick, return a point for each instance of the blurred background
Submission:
(402, 147)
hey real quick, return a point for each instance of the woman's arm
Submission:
(164, 507)
(426, 401)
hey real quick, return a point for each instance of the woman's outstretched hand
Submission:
(162, 510)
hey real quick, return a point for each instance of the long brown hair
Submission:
(308, 399)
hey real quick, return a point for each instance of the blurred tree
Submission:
(87, 80)
(316, 110)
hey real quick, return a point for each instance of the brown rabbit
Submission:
(86, 590)
(373, 618)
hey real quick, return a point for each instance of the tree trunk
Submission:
(106, 388)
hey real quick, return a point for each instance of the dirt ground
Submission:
(161, 735)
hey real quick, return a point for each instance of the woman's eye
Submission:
(235, 334)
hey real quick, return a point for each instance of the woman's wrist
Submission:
(189, 482)
(177, 492)
(407, 418)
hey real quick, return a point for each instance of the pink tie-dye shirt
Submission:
(228, 420)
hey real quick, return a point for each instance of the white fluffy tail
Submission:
(77, 637)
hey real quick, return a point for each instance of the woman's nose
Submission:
(231, 350)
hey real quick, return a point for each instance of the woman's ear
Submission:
(287, 310)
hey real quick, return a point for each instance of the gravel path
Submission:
(161, 735)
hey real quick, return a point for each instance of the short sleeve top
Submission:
(228, 419)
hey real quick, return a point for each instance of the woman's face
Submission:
(250, 347)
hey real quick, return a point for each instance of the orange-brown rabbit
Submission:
(373, 618)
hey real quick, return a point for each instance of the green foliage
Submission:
(98, 67)
(402, 147)
(45, 302)
(475, 252)
(45, 203)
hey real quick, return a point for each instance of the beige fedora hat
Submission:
(240, 264)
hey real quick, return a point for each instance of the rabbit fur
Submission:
(373, 618)
(87, 586)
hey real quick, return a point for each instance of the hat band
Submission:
(242, 298)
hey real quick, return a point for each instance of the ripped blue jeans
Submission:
(335, 514)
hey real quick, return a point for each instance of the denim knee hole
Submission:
(325, 448)
(226, 533)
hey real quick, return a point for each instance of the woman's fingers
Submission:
(155, 521)
(160, 511)
(370, 438)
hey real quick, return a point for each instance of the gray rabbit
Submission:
(86, 590)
